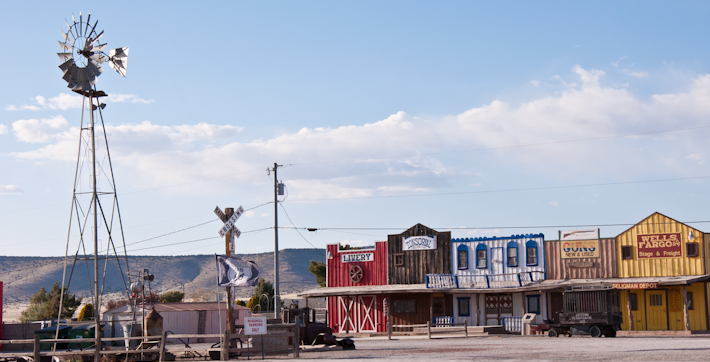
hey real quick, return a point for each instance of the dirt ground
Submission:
(516, 348)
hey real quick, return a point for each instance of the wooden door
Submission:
(346, 314)
(439, 307)
(367, 313)
(556, 305)
(497, 306)
(497, 261)
(656, 310)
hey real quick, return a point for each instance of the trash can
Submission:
(81, 332)
(50, 333)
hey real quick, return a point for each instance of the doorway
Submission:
(656, 310)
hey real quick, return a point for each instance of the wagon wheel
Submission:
(356, 273)
(553, 333)
(595, 331)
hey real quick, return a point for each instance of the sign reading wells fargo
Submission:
(574, 249)
(659, 246)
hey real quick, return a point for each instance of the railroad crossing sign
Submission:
(229, 223)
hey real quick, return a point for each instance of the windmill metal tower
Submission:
(95, 217)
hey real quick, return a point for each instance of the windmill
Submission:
(95, 214)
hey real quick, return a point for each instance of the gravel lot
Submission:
(578, 348)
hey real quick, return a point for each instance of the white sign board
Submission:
(228, 225)
(349, 258)
(254, 325)
(419, 243)
(589, 234)
(220, 214)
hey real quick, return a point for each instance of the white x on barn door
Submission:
(367, 318)
(345, 305)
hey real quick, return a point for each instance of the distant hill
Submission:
(23, 276)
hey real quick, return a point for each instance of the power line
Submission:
(295, 228)
(506, 190)
(196, 240)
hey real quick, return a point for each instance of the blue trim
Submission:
(531, 244)
(527, 300)
(459, 249)
(482, 246)
(426, 280)
(512, 237)
(468, 303)
(512, 245)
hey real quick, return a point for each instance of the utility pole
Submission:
(230, 309)
(277, 297)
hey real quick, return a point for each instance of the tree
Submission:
(172, 297)
(318, 270)
(45, 305)
(263, 295)
(86, 313)
(241, 302)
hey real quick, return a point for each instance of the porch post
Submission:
(431, 307)
(685, 308)
(628, 310)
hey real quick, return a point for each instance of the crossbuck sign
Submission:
(229, 223)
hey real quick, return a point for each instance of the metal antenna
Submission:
(82, 55)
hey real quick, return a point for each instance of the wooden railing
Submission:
(160, 342)
(447, 329)
(488, 281)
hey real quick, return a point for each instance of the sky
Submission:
(479, 118)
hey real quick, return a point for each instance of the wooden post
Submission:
(225, 345)
(431, 307)
(465, 326)
(163, 337)
(36, 348)
(428, 328)
(230, 308)
(685, 308)
(389, 330)
(296, 340)
(347, 315)
(628, 310)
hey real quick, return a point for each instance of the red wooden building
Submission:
(357, 268)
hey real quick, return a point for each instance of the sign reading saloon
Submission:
(349, 258)
(419, 243)
(659, 246)
(579, 249)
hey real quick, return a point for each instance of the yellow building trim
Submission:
(662, 309)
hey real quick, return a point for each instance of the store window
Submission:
(512, 254)
(464, 306)
(627, 252)
(404, 306)
(690, 300)
(462, 256)
(691, 249)
(531, 252)
(533, 304)
(399, 259)
(481, 260)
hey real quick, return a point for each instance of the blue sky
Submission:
(458, 115)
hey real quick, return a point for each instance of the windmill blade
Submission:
(69, 27)
(93, 28)
(65, 36)
(118, 60)
(65, 46)
(88, 22)
(100, 35)
(98, 58)
(81, 23)
(66, 65)
(98, 48)
(64, 56)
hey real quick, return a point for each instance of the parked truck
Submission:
(595, 312)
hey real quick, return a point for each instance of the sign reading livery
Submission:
(349, 258)
(419, 243)
(579, 249)
(579, 234)
(659, 246)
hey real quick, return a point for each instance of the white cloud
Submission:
(584, 109)
(10, 189)
(39, 130)
(131, 98)
(535, 83)
(553, 203)
(65, 101)
(266, 214)
(356, 243)
(3, 129)
(635, 74)
(249, 213)
(616, 63)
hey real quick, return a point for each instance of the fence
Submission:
(448, 328)
(160, 342)
(450, 281)
(513, 324)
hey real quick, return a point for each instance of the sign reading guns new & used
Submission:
(254, 325)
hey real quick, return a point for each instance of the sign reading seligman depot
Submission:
(579, 249)
(659, 246)
(419, 243)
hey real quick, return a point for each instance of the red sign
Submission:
(659, 246)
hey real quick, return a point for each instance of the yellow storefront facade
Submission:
(670, 258)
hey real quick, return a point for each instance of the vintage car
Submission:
(592, 312)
